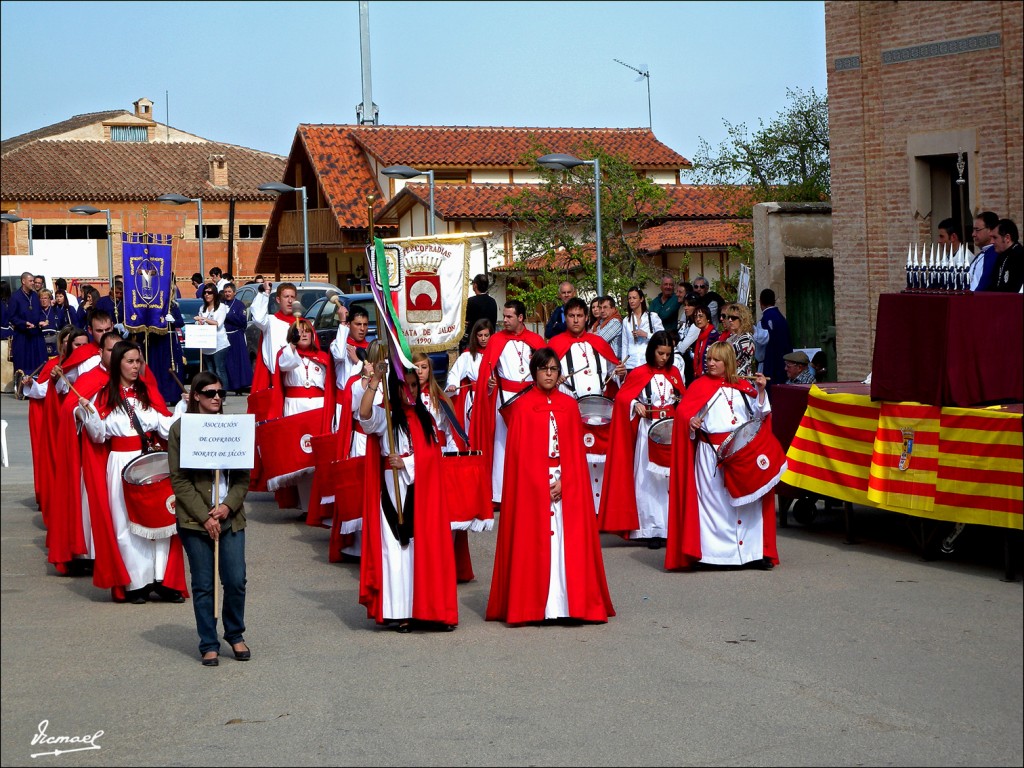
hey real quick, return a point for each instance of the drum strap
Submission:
(147, 442)
(404, 531)
(571, 369)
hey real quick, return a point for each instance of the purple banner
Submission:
(147, 280)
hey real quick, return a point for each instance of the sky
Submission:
(248, 73)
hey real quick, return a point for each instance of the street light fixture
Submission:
(408, 172)
(181, 200)
(560, 162)
(280, 188)
(89, 210)
(11, 218)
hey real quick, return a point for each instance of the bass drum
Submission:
(148, 496)
(596, 412)
(752, 461)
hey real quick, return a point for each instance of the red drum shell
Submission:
(148, 495)
(755, 466)
(465, 477)
(659, 443)
(348, 477)
(596, 412)
(285, 445)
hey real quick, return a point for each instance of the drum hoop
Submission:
(725, 450)
(655, 431)
(152, 456)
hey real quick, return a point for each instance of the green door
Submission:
(811, 307)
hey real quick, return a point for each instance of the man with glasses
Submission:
(983, 267)
(798, 368)
(711, 299)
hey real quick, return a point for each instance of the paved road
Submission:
(844, 655)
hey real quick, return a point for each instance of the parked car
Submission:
(308, 293)
(189, 309)
(324, 317)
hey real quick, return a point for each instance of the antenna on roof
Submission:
(167, 114)
(642, 73)
(366, 113)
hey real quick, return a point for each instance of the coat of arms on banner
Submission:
(908, 448)
(423, 288)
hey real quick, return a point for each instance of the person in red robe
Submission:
(705, 524)
(503, 373)
(403, 507)
(548, 562)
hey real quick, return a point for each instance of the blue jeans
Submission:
(217, 364)
(199, 550)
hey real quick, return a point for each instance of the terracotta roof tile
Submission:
(342, 172)
(480, 147)
(695, 234)
(93, 170)
(65, 126)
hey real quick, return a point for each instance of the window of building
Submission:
(128, 133)
(210, 231)
(69, 231)
(251, 231)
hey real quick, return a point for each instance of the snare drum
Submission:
(285, 446)
(659, 446)
(148, 496)
(752, 462)
(596, 412)
(465, 478)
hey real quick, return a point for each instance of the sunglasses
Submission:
(209, 292)
(212, 393)
(730, 317)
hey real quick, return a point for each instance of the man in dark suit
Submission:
(479, 306)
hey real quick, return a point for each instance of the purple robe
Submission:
(238, 363)
(27, 346)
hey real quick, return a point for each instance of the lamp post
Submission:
(11, 218)
(559, 162)
(407, 172)
(89, 210)
(181, 200)
(279, 188)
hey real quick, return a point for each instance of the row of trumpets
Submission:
(939, 268)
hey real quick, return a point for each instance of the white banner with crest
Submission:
(428, 278)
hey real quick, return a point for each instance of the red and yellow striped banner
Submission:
(958, 464)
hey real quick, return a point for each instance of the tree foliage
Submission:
(554, 227)
(783, 161)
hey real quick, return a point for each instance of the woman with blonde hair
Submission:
(738, 330)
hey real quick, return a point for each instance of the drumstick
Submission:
(216, 547)
(75, 391)
(612, 373)
(751, 377)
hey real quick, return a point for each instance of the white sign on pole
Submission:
(743, 292)
(200, 336)
(218, 441)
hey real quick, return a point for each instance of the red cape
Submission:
(40, 426)
(317, 512)
(618, 512)
(317, 356)
(261, 376)
(481, 437)
(522, 559)
(683, 549)
(434, 588)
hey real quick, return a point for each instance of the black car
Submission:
(189, 309)
(324, 317)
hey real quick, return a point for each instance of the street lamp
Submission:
(559, 162)
(10, 218)
(407, 172)
(89, 210)
(280, 188)
(181, 200)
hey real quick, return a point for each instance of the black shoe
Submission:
(213, 661)
(242, 655)
(169, 595)
(403, 628)
(764, 564)
(655, 543)
(136, 596)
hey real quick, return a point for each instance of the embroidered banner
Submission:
(146, 262)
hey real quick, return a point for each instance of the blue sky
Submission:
(249, 73)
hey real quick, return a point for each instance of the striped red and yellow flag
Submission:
(831, 452)
(905, 458)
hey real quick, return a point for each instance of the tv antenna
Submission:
(643, 73)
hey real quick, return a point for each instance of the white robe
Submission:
(514, 365)
(651, 487)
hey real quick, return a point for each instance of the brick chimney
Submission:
(143, 108)
(218, 170)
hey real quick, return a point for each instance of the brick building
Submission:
(913, 87)
(123, 161)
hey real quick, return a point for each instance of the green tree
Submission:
(783, 161)
(554, 227)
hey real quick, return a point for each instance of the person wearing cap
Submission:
(798, 368)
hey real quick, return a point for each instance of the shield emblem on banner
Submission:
(423, 297)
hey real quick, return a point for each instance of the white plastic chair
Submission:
(3, 440)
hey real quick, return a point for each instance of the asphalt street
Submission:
(862, 654)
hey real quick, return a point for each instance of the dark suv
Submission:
(308, 294)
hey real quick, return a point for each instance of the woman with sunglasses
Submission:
(636, 489)
(637, 328)
(705, 522)
(213, 312)
(547, 501)
(407, 568)
(706, 336)
(126, 414)
(201, 522)
(738, 330)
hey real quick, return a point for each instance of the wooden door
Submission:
(811, 307)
